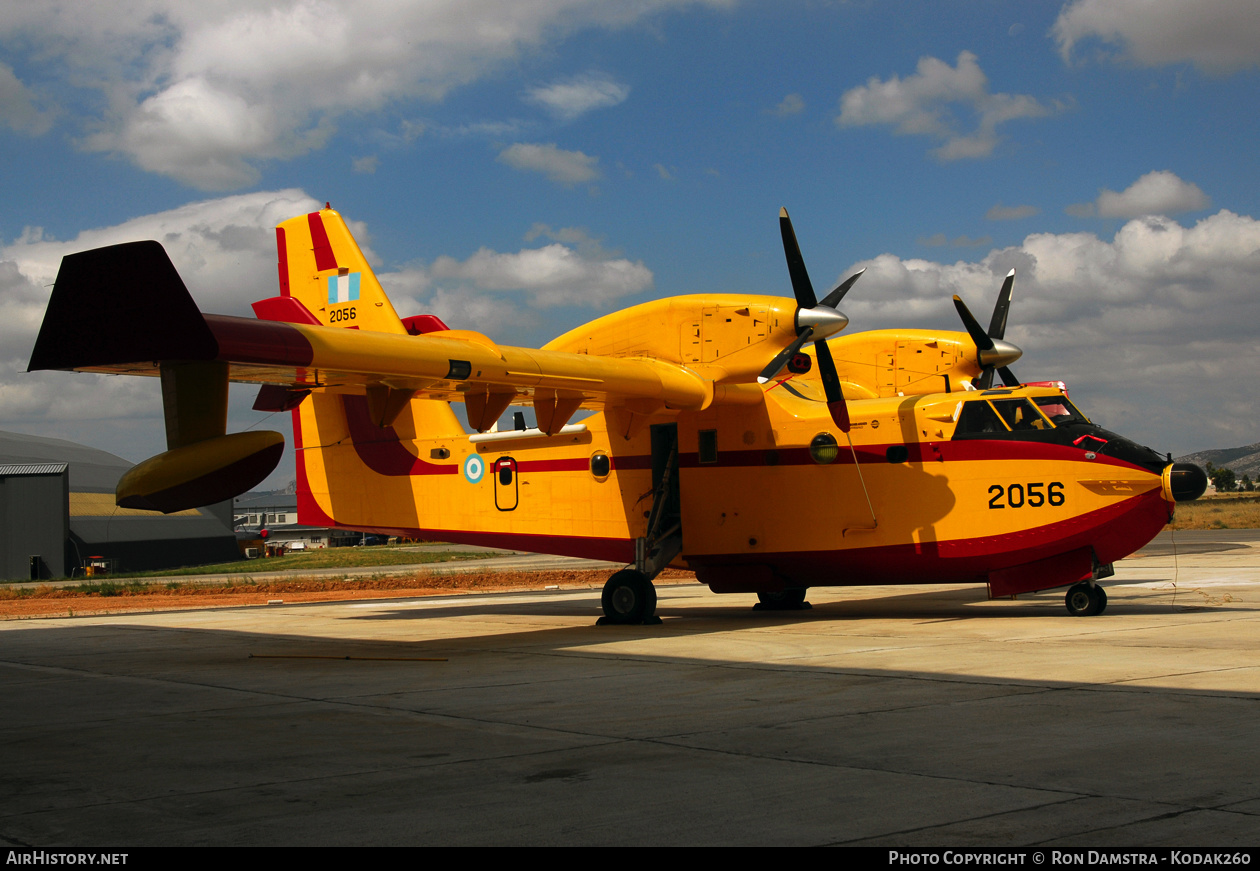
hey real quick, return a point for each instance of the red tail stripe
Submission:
(324, 257)
(282, 263)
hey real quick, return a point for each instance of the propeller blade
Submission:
(832, 299)
(979, 336)
(1008, 377)
(997, 326)
(801, 287)
(781, 359)
(985, 381)
(831, 385)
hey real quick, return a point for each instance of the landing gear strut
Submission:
(629, 596)
(1086, 599)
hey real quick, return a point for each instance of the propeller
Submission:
(991, 352)
(815, 321)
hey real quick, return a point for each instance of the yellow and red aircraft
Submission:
(714, 425)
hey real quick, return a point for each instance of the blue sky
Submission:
(520, 168)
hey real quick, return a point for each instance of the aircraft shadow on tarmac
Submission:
(735, 611)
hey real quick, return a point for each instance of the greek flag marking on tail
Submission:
(343, 288)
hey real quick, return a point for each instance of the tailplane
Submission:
(322, 268)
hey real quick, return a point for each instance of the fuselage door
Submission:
(506, 484)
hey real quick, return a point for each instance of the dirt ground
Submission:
(54, 602)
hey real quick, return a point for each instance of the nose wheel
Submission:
(1086, 600)
(628, 598)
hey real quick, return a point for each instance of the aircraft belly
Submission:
(943, 520)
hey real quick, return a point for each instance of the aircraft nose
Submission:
(1184, 482)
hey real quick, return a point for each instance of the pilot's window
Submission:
(708, 446)
(1020, 415)
(978, 417)
(1059, 410)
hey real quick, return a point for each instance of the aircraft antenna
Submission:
(865, 492)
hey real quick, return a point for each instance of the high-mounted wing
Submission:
(124, 310)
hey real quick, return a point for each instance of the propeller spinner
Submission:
(992, 353)
(815, 321)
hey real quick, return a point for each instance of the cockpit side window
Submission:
(1060, 410)
(1020, 415)
(978, 416)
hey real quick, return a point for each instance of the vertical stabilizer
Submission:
(322, 267)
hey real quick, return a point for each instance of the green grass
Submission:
(329, 558)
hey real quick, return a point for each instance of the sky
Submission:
(519, 167)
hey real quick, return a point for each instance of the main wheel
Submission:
(1085, 600)
(789, 599)
(628, 597)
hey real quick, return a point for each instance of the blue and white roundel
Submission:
(474, 468)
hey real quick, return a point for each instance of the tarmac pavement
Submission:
(906, 716)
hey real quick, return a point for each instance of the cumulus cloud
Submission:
(202, 92)
(573, 97)
(224, 250)
(17, 105)
(514, 296)
(1153, 330)
(1217, 36)
(553, 275)
(1011, 213)
(1156, 193)
(792, 104)
(563, 167)
(921, 105)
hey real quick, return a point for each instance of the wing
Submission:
(125, 310)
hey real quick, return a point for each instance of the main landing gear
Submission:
(1086, 599)
(789, 599)
(629, 597)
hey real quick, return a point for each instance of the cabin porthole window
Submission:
(824, 448)
(600, 465)
(897, 454)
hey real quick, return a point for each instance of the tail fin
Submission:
(322, 267)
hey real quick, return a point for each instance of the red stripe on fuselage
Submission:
(923, 452)
(324, 257)
(309, 512)
(380, 448)
(1114, 532)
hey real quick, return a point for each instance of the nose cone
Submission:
(1001, 354)
(825, 321)
(1184, 482)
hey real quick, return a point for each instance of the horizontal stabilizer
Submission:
(120, 303)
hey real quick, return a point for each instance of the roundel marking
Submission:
(474, 468)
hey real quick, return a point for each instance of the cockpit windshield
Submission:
(1020, 414)
(1016, 417)
(1060, 410)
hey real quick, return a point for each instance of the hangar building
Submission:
(57, 505)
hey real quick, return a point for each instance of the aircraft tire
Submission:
(789, 599)
(628, 597)
(1083, 600)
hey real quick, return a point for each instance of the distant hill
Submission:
(1242, 461)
